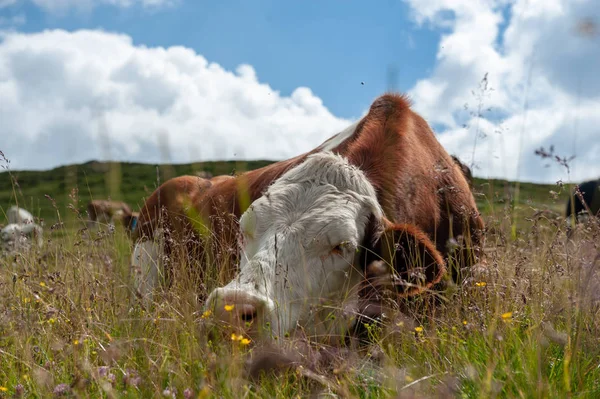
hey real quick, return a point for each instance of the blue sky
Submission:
(126, 75)
(330, 46)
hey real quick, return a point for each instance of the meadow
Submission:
(525, 324)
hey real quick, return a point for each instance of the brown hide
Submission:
(416, 180)
(106, 208)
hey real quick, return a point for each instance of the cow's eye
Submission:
(340, 248)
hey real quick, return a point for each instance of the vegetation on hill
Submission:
(133, 182)
(129, 182)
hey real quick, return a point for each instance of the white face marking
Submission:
(339, 138)
(300, 241)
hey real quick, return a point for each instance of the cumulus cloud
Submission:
(541, 88)
(71, 97)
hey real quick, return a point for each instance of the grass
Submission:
(525, 325)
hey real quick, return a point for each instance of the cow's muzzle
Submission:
(241, 309)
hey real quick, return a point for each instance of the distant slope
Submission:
(132, 182)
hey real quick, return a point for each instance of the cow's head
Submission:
(306, 246)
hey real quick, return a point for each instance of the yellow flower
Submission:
(481, 284)
(76, 342)
(94, 353)
(25, 377)
(235, 337)
(26, 300)
(419, 329)
(245, 341)
(3, 389)
(206, 314)
(506, 316)
(229, 308)
(204, 393)
(42, 284)
(464, 322)
(52, 320)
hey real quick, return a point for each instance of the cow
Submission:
(109, 212)
(14, 235)
(17, 215)
(377, 204)
(590, 193)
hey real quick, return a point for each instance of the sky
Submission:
(192, 80)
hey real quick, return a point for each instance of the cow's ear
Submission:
(405, 251)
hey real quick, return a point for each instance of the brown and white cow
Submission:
(109, 212)
(383, 193)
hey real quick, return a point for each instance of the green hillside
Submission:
(132, 182)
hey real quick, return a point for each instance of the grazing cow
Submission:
(15, 235)
(590, 192)
(109, 212)
(18, 215)
(376, 205)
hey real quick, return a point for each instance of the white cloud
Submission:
(66, 95)
(543, 76)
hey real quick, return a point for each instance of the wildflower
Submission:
(244, 341)
(235, 337)
(204, 393)
(506, 316)
(419, 329)
(52, 320)
(3, 389)
(19, 390)
(207, 314)
(131, 378)
(61, 390)
(42, 284)
(229, 308)
(464, 322)
(188, 393)
(76, 342)
(103, 371)
(481, 284)
(26, 300)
